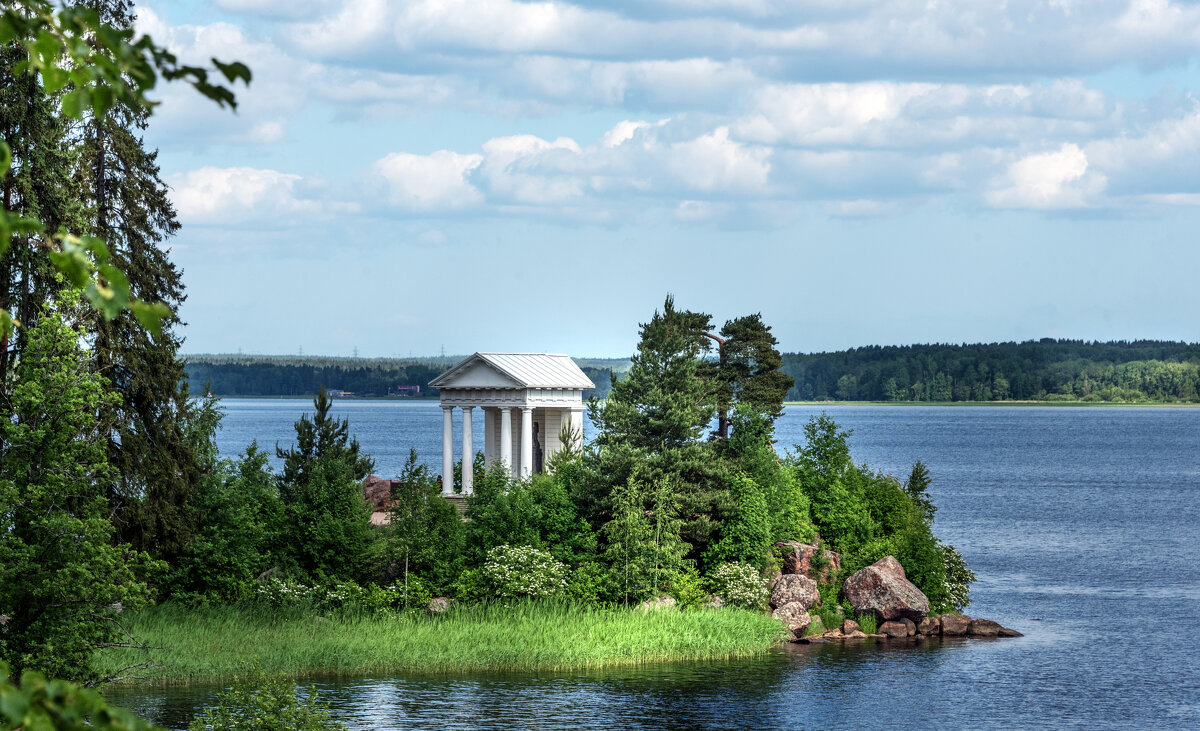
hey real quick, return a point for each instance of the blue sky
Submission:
(403, 177)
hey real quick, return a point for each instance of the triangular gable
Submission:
(475, 372)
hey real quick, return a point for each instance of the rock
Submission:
(954, 625)
(378, 492)
(929, 626)
(658, 602)
(440, 604)
(1006, 632)
(795, 588)
(854, 635)
(794, 616)
(894, 628)
(714, 602)
(984, 628)
(3, 619)
(798, 559)
(849, 626)
(833, 634)
(882, 588)
(817, 627)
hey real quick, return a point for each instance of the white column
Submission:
(506, 438)
(487, 436)
(468, 451)
(577, 427)
(526, 441)
(447, 450)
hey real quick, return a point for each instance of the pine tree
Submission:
(749, 371)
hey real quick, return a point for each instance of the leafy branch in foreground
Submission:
(90, 65)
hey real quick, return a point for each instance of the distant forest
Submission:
(266, 375)
(1036, 370)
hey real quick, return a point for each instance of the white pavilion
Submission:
(544, 391)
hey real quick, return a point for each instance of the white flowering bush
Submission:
(740, 585)
(340, 595)
(279, 592)
(521, 571)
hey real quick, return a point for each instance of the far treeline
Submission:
(1035, 370)
(269, 375)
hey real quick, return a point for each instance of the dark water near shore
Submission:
(1082, 525)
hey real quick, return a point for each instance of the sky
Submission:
(403, 178)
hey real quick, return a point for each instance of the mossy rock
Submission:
(817, 627)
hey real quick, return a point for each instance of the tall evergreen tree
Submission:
(748, 371)
(127, 206)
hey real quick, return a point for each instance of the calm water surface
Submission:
(1082, 525)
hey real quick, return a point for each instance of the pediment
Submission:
(476, 374)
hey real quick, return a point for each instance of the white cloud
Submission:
(245, 196)
(715, 163)
(1048, 180)
(434, 182)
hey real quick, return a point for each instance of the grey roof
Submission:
(530, 370)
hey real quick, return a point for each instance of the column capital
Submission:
(447, 407)
(526, 409)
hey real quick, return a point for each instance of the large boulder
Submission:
(659, 602)
(984, 628)
(798, 558)
(954, 625)
(377, 491)
(894, 628)
(440, 604)
(882, 588)
(794, 616)
(795, 588)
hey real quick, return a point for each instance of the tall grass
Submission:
(212, 644)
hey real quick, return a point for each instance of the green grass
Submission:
(213, 644)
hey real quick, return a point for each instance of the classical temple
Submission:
(541, 392)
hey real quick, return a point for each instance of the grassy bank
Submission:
(208, 645)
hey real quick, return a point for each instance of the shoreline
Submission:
(1015, 404)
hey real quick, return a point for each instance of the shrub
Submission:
(517, 572)
(746, 534)
(36, 703)
(688, 590)
(867, 622)
(277, 592)
(257, 702)
(471, 587)
(588, 584)
(958, 578)
(740, 585)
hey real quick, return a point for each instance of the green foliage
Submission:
(688, 590)
(828, 615)
(749, 450)
(589, 584)
(748, 374)
(424, 534)
(521, 572)
(62, 579)
(89, 64)
(958, 580)
(740, 585)
(645, 551)
(746, 533)
(472, 587)
(867, 623)
(917, 487)
(37, 704)
(241, 524)
(258, 702)
(328, 531)
(537, 512)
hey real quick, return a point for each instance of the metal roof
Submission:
(530, 370)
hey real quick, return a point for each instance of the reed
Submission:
(205, 645)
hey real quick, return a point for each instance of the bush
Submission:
(958, 578)
(257, 702)
(517, 572)
(867, 622)
(36, 703)
(276, 592)
(689, 591)
(588, 585)
(740, 585)
(471, 587)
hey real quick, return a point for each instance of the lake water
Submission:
(1082, 525)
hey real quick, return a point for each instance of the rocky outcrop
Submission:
(794, 616)
(849, 626)
(954, 625)
(929, 626)
(984, 628)
(884, 589)
(799, 558)
(797, 588)
(894, 628)
(658, 602)
(377, 491)
(440, 604)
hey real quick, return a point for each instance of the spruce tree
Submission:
(749, 371)
(127, 206)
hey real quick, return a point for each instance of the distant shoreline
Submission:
(1089, 404)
